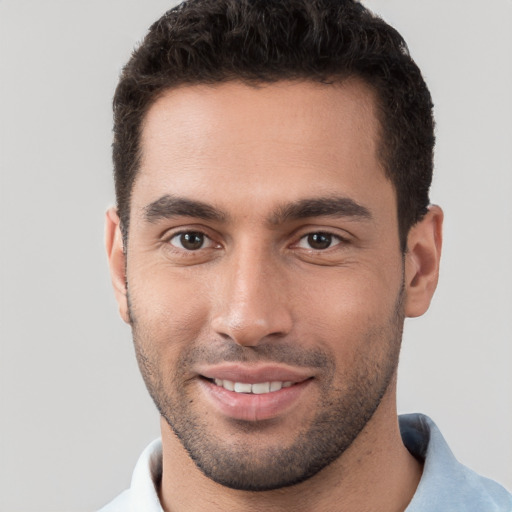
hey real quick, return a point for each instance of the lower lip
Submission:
(251, 407)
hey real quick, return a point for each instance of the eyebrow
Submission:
(168, 207)
(337, 207)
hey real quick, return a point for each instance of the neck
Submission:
(376, 473)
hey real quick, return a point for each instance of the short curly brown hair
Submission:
(263, 41)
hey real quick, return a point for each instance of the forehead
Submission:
(291, 111)
(281, 139)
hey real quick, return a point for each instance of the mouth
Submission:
(257, 388)
(250, 396)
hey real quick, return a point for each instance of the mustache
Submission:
(289, 354)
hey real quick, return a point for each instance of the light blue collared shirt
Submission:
(445, 486)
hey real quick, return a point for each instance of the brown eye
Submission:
(319, 241)
(190, 240)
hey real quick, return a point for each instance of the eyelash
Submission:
(331, 239)
(190, 232)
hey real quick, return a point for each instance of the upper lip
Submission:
(253, 374)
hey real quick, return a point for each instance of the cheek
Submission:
(346, 294)
(169, 310)
(350, 310)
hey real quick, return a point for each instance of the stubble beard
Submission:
(343, 412)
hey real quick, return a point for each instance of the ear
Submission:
(422, 261)
(116, 260)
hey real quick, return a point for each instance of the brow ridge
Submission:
(169, 206)
(332, 206)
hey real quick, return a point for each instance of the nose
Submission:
(253, 302)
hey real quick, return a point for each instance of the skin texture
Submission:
(264, 242)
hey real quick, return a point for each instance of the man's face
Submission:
(264, 275)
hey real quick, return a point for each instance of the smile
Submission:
(253, 401)
(258, 388)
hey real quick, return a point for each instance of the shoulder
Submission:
(446, 484)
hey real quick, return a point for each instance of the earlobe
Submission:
(424, 244)
(116, 260)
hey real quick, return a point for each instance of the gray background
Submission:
(74, 414)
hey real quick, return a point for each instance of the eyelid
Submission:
(336, 240)
(207, 241)
(177, 231)
(336, 232)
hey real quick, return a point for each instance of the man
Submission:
(272, 231)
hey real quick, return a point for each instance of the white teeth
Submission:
(276, 386)
(242, 387)
(227, 384)
(258, 389)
